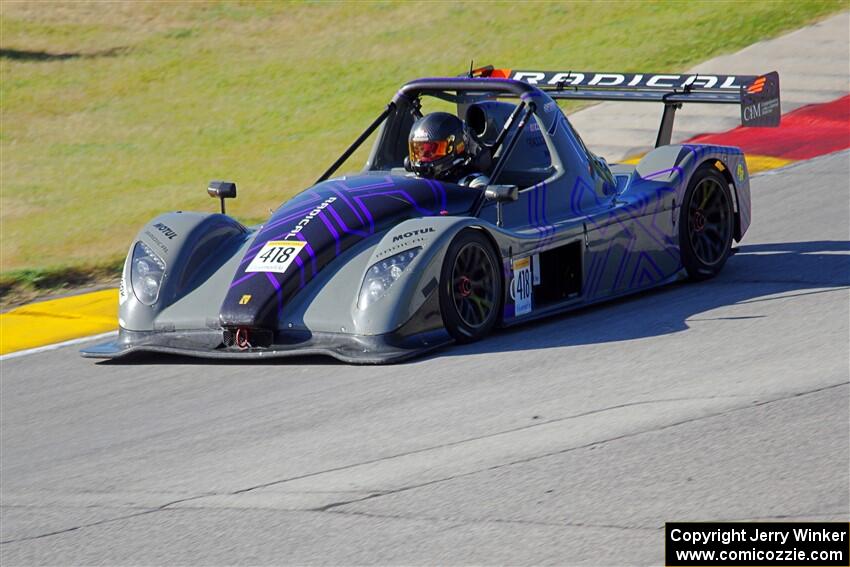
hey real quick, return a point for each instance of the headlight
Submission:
(146, 271)
(380, 276)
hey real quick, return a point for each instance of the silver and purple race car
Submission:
(386, 264)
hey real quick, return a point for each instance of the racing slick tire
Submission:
(706, 224)
(470, 287)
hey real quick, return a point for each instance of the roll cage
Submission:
(398, 117)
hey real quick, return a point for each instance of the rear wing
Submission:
(757, 95)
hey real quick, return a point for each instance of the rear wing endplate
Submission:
(757, 95)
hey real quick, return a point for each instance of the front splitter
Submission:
(209, 344)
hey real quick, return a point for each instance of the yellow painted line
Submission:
(755, 164)
(58, 320)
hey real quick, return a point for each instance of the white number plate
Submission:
(522, 286)
(276, 256)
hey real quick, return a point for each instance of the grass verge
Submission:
(23, 286)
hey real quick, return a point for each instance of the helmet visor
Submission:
(427, 151)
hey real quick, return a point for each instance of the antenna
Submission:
(471, 67)
(562, 83)
(689, 84)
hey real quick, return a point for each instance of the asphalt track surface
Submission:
(566, 441)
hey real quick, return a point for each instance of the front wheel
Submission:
(470, 287)
(706, 224)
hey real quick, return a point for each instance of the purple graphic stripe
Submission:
(577, 194)
(388, 182)
(332, 230)
(544, 201)
(601, 273)
(287, 218)
(629, 212)
(623, 261)
(659, 210)
(309, 250)
(242, 279)
(658, 173)
(278, 293)
(401, 192)
(640, 259)
(554, 126)
(538, 213)
(345, 200)
(591, 273)
(365, 211)
(274, 281)
(344, 226)
(437, 188)
(248, 254)
(636, 221)
(433, 189)
(300, 263)
(442, 191)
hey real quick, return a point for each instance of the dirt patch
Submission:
(25, 286)
(32, 55)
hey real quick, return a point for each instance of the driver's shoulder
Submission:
(475, 180)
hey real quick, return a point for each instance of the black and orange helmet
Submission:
(440, 145)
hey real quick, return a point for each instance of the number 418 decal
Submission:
(276, 256)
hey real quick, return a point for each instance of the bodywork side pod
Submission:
(675, 164)
(192, 248)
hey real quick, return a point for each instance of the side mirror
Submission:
(222, 190)
(502, 193)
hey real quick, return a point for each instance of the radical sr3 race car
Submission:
(385, 264)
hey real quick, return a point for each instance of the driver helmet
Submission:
(440, 145)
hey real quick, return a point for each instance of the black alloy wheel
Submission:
(470, 287)
(706, 224)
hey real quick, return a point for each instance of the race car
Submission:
(386, 264)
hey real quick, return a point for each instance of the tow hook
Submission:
(242, 341)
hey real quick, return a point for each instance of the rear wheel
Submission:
(470, 287)
(706, 224)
